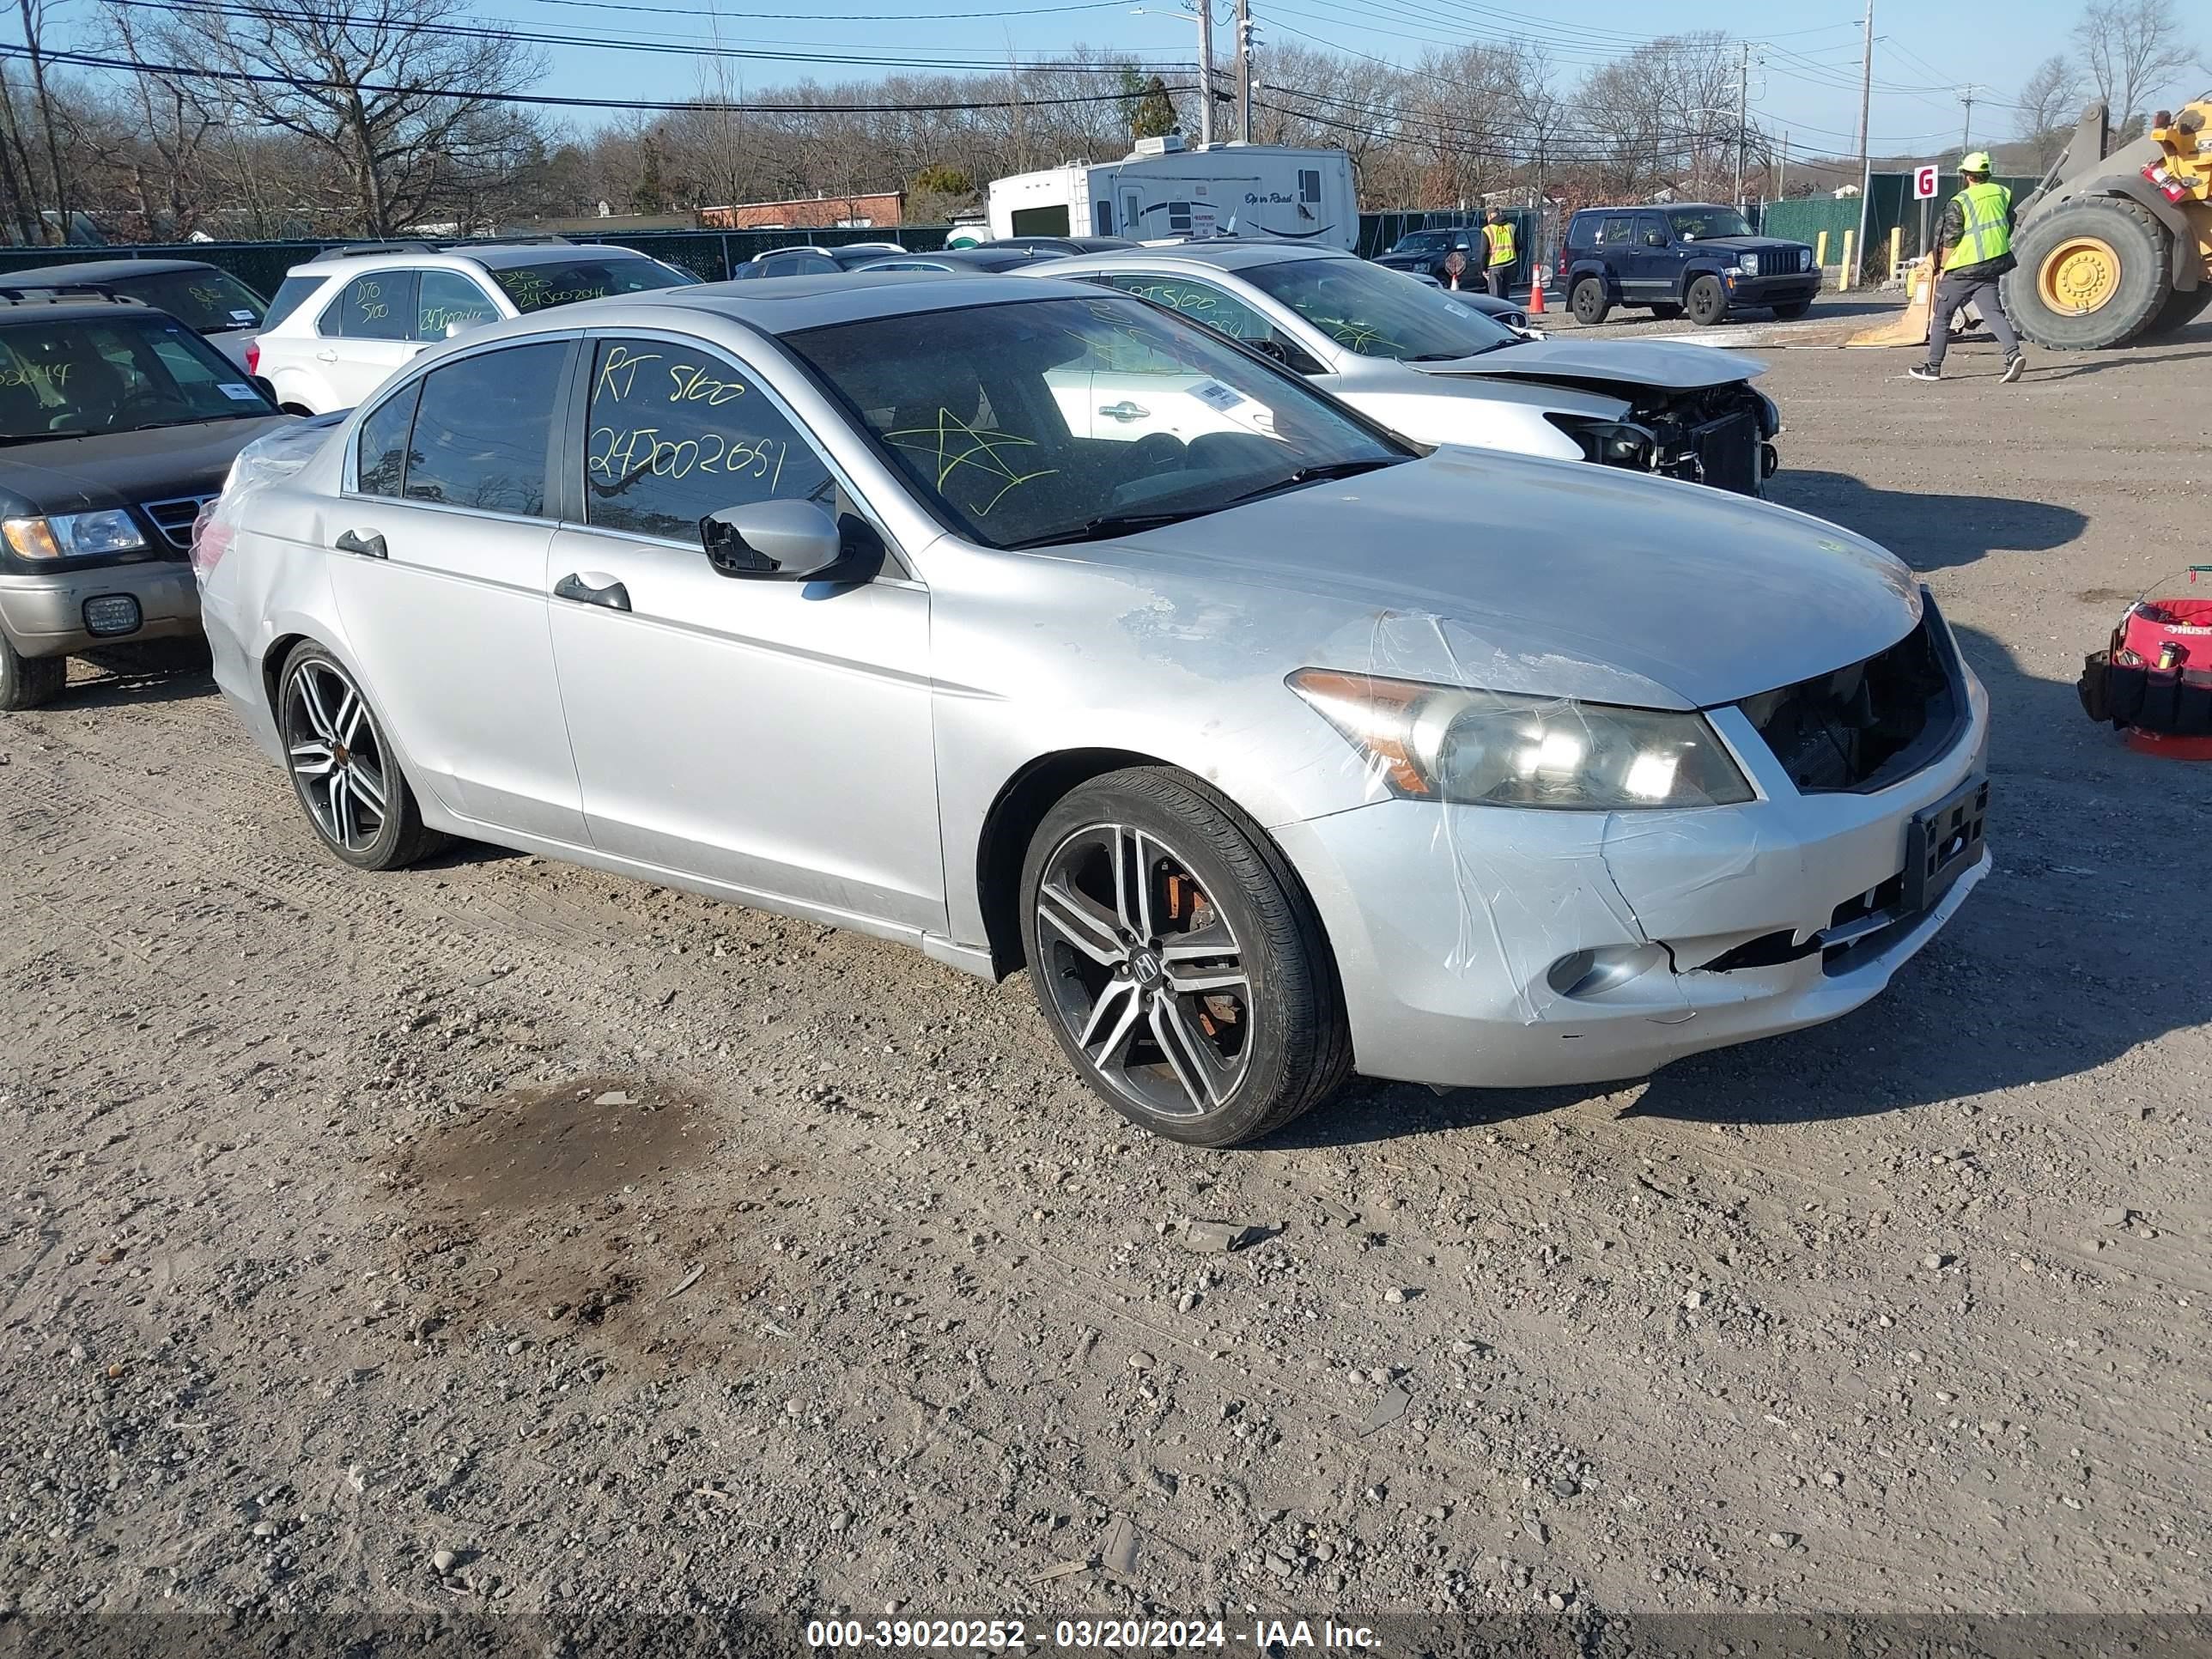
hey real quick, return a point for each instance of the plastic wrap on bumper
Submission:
(1453, 926)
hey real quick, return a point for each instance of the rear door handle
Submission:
(1124, 411)
(366, 543)
(614, 596)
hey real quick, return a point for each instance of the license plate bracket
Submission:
(1943, 842)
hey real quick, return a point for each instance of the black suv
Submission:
(116, 422)
(1423, 252)
(195, 293)
(1678, 257)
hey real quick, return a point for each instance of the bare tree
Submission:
(389, 91)
(2045, 107)
(2131, 47)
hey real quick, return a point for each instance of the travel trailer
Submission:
(1164, 191)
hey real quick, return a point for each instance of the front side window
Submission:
(1200, 301)
(1377, 312)
(209, 301)
(481, 427)
(446, 298)
(1653, 230)
(676, 432)
(564, 281)
(379, 306)
(986, 412)
(1703, 224)
(73, 378)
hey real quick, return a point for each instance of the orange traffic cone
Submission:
(1536, 292)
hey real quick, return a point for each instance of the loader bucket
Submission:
(1910, 326)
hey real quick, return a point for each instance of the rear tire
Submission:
(2090, 274)
(27, 682)
(1180, 963)
(344, 771)
(1707, 302)
(1589, 302)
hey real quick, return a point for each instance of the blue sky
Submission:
(1808, 83)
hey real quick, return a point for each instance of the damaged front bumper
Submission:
(1500, 947)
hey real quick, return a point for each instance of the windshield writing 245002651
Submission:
(618, 457)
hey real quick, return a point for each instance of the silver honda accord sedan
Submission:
(1276, 749)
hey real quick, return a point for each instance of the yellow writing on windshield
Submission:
(951, 443)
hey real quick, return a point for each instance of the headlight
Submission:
(72, 535)
(1748, 264)
(1804, 258)
(1611, 443)
(1494, 749)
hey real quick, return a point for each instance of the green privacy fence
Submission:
(711, 255)
(1888, 203)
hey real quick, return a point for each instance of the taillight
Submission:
(253, 356)
(210, 540)
(2174, 190)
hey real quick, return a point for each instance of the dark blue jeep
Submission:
(1677, 258)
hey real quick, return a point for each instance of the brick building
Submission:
(873, 211)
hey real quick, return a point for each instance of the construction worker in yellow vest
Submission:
(1973, 249)
(1498, 238)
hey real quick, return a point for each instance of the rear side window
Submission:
(381, 463)
(1614, 233)
(379, 306)
(676, 432)
(481, 427)
(291, 294)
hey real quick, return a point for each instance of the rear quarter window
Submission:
(291, 294)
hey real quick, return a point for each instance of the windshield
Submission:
(564, 281)
(1703, 224)
(1036, 422)
(209, 301)
(69, 378)
(1377, 312)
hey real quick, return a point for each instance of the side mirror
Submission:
(265, 386)
(775, 541)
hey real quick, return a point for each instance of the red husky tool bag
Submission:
(2156, 677)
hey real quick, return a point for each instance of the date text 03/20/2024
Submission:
(1087, 1634)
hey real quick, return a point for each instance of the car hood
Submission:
(1549, 578)
(1742, 244)
(70, 475)
(1667, 365)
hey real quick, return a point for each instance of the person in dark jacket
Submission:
(1973, 249)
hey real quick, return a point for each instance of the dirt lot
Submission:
(496, 1234)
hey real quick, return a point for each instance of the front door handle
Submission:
(366, 543)
(614, 596)
(1124, 411)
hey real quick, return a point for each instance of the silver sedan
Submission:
(1275, 747)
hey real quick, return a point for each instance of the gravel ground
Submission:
(497, 1235)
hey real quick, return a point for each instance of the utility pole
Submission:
(1244, 71)
(1206, 72)
(1781, 173)
(1866, 135)
(1967, 96)
(1742, 116)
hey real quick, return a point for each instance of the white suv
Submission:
(344, 320)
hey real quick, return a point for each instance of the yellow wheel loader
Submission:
(2112, 247)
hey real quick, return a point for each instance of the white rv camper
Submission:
(1164, 191)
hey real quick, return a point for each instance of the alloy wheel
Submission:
(336, 755)
(1143, 970)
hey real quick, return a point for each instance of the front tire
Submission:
(1589, 302)
(346, 777)
(1707, 302)
(28, 682)
(1178, 961)
(2093, 273)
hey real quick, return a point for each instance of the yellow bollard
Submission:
(1844, 281)
(1896, 249)
(1820, 252)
